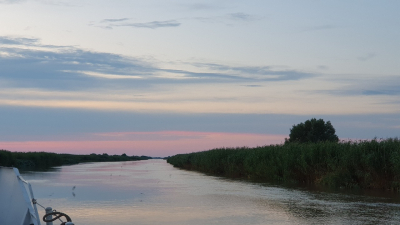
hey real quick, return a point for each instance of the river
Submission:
(153, 192)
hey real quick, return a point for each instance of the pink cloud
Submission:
(160, 143)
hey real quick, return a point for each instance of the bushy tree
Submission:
(312, 131)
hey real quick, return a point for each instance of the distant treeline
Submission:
(44, 160)
(371, 164)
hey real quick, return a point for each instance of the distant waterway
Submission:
(153, 192)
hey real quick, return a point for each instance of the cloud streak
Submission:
(40, 76)
(122, 22)
(26, 57)
(240, 16)
(18, 41)
(262, 73)
(151, 25)
(384, 86)
(114, 20)
(226, 19)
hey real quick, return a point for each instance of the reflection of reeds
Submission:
(371, 164)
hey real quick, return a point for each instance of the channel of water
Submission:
(153, 192)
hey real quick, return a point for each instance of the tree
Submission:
(312, 131)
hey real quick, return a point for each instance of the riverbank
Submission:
(371, 164)
(45, 160)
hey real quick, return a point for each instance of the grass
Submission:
(373, 164)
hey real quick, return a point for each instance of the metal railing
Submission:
(48, 218)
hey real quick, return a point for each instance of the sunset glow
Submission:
(159, 144)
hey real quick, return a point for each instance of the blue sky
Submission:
(163, 77)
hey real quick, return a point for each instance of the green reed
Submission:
(44, 160)
(373, 164)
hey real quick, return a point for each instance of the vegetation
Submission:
(371, 164)
(312, 131)
(44, 160)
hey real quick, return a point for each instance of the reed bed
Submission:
(373, 164)
(45, 160)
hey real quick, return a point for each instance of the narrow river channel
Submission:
(153, 192)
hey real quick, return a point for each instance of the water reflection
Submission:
(153, 192)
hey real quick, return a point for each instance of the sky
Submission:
(164, 77)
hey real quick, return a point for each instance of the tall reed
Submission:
(43, 160)
(373, 164)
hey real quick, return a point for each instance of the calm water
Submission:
(153, 192)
